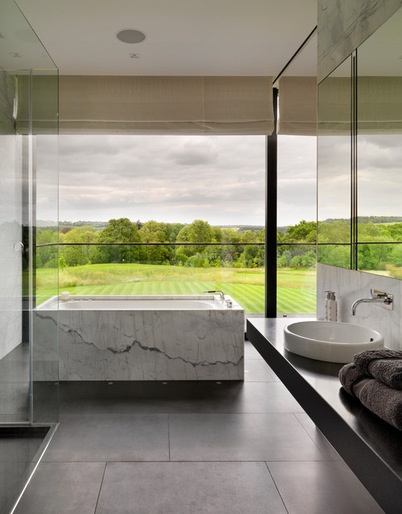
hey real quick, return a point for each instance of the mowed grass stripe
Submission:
(249, 296)
(296, 288)
(244, 295)
(295, 301)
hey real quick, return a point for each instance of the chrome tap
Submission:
(376, 297)
(221, 294)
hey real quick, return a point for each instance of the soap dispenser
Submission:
(330, 307)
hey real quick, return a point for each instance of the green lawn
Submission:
(296, 288)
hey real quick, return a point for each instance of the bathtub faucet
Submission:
(221, 294)
(376, 297)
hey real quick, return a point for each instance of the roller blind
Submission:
(166, 105)
(37, 97)
(7, 95)
(379, 108)
(297, 106)
(379, 105)
(335, 100)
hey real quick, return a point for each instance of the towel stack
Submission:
(375, 378)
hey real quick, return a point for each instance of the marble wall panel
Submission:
(343, 25)
(10, 236)
(351, 285)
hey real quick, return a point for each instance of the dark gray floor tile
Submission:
(250, 352)
(325, 447)
(257, 370)
(239, 437)
(63, 488)
(257, 397)
(321, 488)
(110, 438)
(177, 397)
(189, 488)
(148, 398)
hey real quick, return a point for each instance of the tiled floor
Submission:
(189, 448)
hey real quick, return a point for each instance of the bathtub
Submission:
(147, 337)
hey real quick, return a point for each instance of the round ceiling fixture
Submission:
(130, 36)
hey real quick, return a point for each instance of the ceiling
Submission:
(183, 37)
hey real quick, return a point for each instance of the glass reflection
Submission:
(379, 117)
(334, 168)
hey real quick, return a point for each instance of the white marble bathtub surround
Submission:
(350, 285)
(149, 344)
(45, 348)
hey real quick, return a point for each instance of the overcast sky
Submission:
(379, 176)
(219, 179)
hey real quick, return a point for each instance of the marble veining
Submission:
(149, 344)
(344, 25)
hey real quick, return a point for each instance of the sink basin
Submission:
(330, 341)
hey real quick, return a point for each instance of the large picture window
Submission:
(161, 215)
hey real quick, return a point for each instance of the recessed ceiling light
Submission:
(130, 36)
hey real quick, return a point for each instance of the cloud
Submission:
(195, 152)
(168, 178)
(379, 157)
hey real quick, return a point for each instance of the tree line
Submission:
(379, 245)
(153, 242)
(210, 246)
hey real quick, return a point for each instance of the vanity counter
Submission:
(371, 447)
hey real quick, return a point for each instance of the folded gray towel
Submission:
(350, 375)
(380, 399)
(383, 364)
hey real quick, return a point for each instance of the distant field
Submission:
(296, 288)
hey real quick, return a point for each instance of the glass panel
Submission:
(20, 53)
(14, 350)
(379, 149)
(45, 365)
(334, 168)
(29, 124)
(297, 232)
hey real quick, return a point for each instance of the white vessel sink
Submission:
(330, 341)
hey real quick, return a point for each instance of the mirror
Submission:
(379, 143)
(334, 169)
(359, 157)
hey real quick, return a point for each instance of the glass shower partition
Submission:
(28, 203)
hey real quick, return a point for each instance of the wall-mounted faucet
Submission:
(376, 297)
